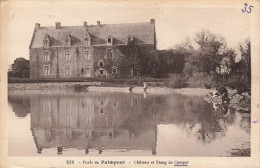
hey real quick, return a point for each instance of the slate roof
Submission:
(143, 33)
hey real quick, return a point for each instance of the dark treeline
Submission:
(204, 62)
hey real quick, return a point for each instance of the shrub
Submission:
(201, 80)
(176, 81)
(241, 86)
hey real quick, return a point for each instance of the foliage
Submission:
(246, 61)
(241, 74)
(20, 68)
(177, 81)
(211, 63)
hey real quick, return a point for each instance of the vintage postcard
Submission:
(129, 84)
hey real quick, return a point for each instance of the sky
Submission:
(174, 23)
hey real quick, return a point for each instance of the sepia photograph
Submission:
(131, 84)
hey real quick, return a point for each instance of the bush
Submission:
(201, 80)
(241, 86)
(176, 81)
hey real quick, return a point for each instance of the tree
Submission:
(210, 54)
(246, 61)
(241, 73)
(21, 68)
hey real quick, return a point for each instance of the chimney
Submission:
(57, 24)
(152, 21)
(85, 24)
(98, 23)
(37, 26)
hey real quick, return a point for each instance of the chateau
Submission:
(89, 51)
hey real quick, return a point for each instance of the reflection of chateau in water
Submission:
(103, 121)
(91, 122)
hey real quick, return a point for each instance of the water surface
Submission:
(70, 123)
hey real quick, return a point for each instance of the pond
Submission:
(71, 123)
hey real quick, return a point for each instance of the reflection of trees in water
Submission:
(20, 104)
(199, 119)
(134, 113)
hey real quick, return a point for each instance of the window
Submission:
(130, 39)
(100, 63)
(109, 40)
(68, 42)
(46, 56)
(67, 70)
(109, 53)
(87, 41)
(101, 72)
(46, 43)
(87, 55)
(46, 70)
(114, 70)
(67, 55)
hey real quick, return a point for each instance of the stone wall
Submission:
(33, 63)
(49, 86)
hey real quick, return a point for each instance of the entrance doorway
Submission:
(87, 71)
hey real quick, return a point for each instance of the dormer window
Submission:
(109, 40)
(46, 41)
(46, 44)
(130, 39)
(68, 41)
(87, 41)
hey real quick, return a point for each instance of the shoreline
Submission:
(97, 86)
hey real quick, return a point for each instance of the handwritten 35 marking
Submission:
(249, 10)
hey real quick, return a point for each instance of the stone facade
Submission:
(88, 51)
